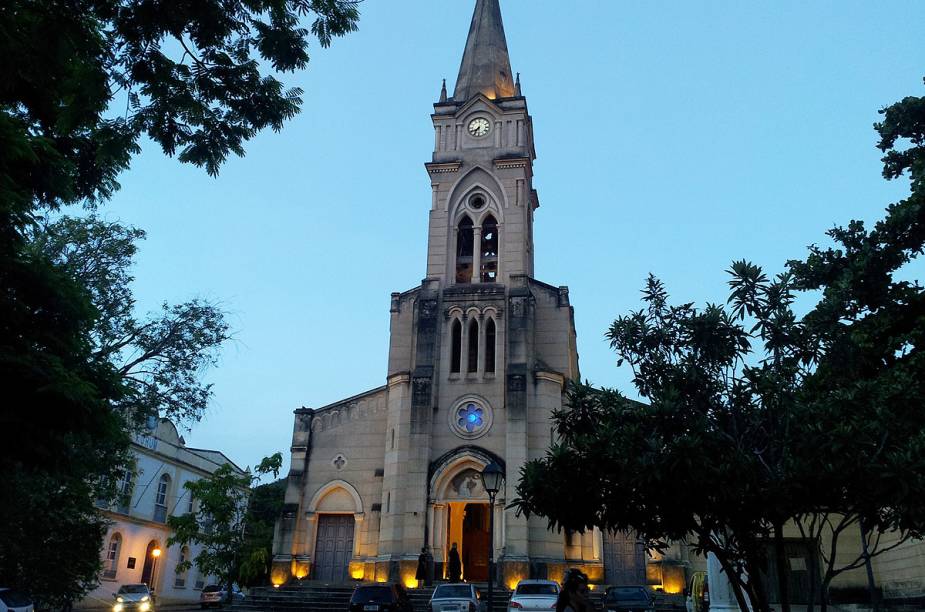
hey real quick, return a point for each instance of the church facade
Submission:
(479, 356)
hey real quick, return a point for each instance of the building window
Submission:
(473, 362)
(490, 346)
(124, 492)
(455, 346)
(488, 256)
(180, 581)
(160, 500)
(112, 556)
(470, 418)
(464, 250)
(191, 505)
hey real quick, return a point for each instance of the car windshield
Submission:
(15, 599)
(212, 588)
(453, 591)
(627, 594)
(132, 589)
(537, 589)
(372, 594)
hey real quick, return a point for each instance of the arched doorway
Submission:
(335, 509)
(152, 560)
(459, 513)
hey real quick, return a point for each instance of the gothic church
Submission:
(478, 359)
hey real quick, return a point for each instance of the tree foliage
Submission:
(160, 358)
(264, 507)
(756, 417)
(219, 521)
(83, 83)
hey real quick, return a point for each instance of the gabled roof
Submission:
(486, 66)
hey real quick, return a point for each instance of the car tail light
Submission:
(517, 605)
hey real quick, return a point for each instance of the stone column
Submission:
(722, 598)
(477, 254)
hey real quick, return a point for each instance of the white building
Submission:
(151, 492)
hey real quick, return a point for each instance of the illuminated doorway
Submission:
(467, 527)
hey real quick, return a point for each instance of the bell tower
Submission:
(481, 218)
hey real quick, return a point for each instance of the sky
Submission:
(671, 138)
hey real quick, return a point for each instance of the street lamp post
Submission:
(492, 477)
(154, 553)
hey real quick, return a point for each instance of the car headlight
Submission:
(117, 608)
(145, 606)
(119, 599)
(145, 598)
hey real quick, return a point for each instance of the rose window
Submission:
(470, 418)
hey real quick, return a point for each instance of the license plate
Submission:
(369, 608)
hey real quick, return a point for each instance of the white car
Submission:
(534, 595)
(12, 600)
(133, 598)
(216, 595)
(457, 597)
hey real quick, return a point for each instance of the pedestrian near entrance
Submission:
(421, 574)
(455, 565)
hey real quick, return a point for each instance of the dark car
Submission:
(381, 597)
(628, 599)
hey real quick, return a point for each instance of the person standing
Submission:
(455, 565)
(421, 574)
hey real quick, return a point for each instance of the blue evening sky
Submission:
(672, 137)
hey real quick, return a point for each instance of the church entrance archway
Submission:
(624, 559)
(459, 513)
(333, 547)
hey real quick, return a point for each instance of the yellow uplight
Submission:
(156, 553)
(411, 583)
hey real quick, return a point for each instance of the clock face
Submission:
(479, 127)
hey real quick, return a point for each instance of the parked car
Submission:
(698, 593)
(133, 597)
(381, 597)
(534, 595)
(628, 599)
(12, 600)
(216, 595)
(459, 597)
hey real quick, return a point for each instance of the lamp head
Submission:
(492, 477)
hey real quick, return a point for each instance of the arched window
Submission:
(161, 498)
(126, 486)
(112, 556)
(488, 255)
(473, 361)
(464, 250)
(455, 346)
(490, 346)
(180, 581)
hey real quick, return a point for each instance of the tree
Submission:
(220, 520)
(82, 83)
(160, 359)
(757, 417)
(264, 507)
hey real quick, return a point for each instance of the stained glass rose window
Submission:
(471, 418)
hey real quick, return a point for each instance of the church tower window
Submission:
(473, 362)
(489, 250)
(455, 347)
(490, 346)
(464, 250)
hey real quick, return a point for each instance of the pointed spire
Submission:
(443, 91)
(486, 66)
(517, 91)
